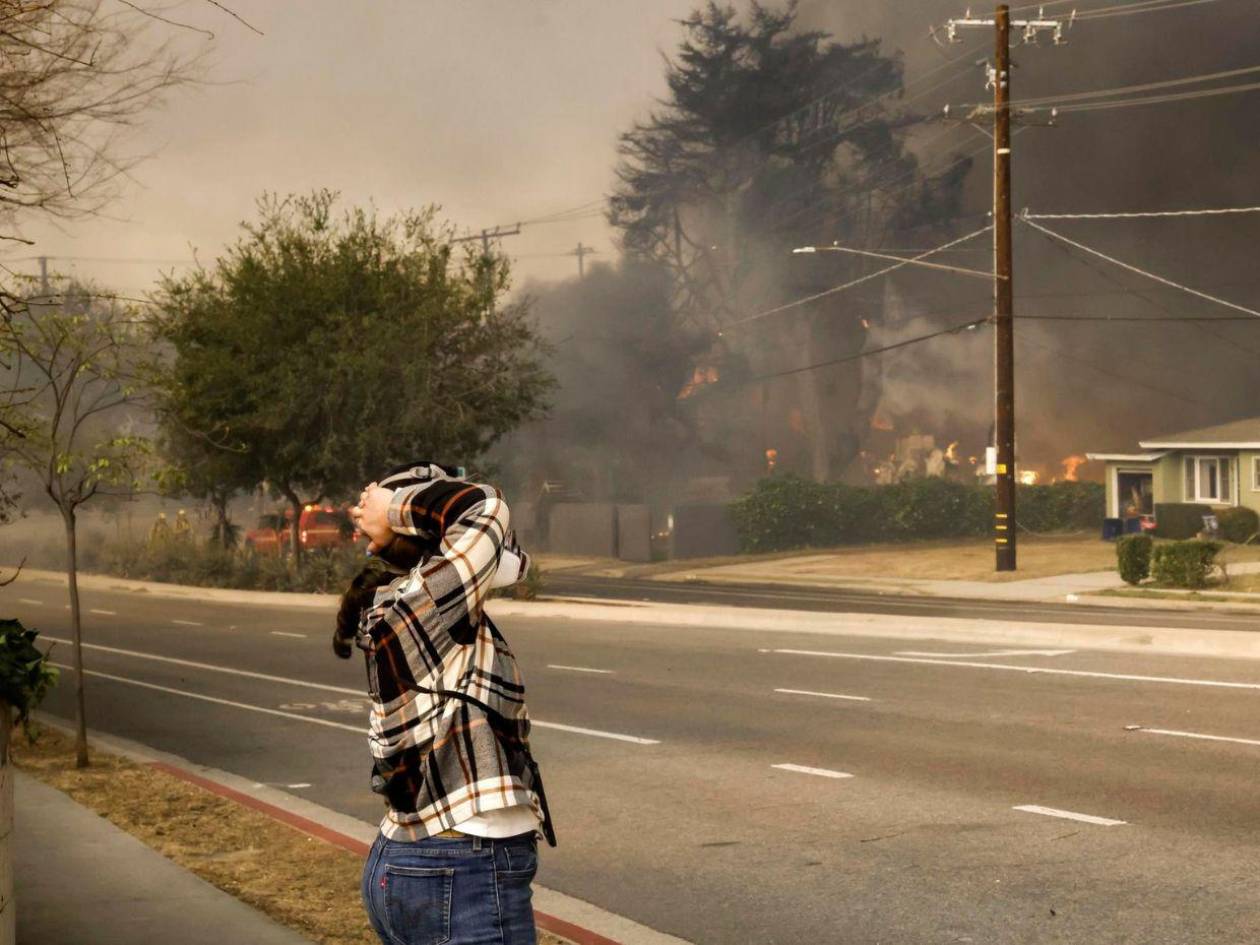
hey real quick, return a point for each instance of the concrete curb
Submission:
(574, 919)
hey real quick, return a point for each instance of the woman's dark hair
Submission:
(398, 557)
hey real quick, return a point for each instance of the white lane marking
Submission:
(633, 739)
(103, 613)
(988, 653)
(825, 695)
(357, 729)
(27, 600)
(191, 664)
(1068, 815)
(282, 633)
(267, 677)
(300, 784)
(1172, 680)
(1200, 735)
(188, 623)
(820, 772)
(578, 669)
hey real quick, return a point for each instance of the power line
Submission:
(858, 281)
(1230, 345)
(1142, 272)
(1138, 215)
(845, 359)
(1142, 6)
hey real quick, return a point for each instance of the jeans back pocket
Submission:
(418, 904)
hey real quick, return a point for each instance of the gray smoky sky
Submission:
(498, 110)
(504, 110)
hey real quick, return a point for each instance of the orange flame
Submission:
(1070, 465)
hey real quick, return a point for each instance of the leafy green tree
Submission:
(325, 346)
(771, 137)
(85, 367)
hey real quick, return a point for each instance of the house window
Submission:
(1210, 479)
(1255, 473)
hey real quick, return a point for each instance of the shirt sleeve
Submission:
(439, 604)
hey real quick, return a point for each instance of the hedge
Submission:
(1238, 524)
(788, 512)
(1179, 520)
(1133, 557)
(1184, 563)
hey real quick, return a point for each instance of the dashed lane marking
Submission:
(819, 772)
(1040, 670)
(987, 653)
(824, 695)
(27, 600)
(1069, 815)
(282, 633)
(578, 669)
(103, 613)
(188, 623)
(633, 739)
(1199, 735)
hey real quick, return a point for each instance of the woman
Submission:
(449, 732)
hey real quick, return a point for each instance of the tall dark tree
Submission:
(325, 346)
(772, 137)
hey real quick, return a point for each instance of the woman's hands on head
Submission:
(371, 515)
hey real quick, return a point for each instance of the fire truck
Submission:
(320, 526)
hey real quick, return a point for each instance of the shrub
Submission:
(1179, 520)
(1239, 524)
(1184, 563)
(1061, 506)
(1133, 557)
(25, 676)
(788, 512)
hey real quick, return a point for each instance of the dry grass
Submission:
(304, 883)
(958, 560)
(954, 559)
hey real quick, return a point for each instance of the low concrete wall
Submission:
(634, 533)
(703, 530)
(583, 528)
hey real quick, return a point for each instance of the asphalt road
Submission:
(697, 774)
(841, 600)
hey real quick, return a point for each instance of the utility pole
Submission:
(43, 276)
(1005, 521)
(1003, 298)
(486, 236)
(581, 253)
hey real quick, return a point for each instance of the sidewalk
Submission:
(82, 880)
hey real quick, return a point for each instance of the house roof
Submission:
(1127, 457)
(1237, 434)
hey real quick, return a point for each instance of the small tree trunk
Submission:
(220, 507)
(76, 620)
(8, 918)
(295, 527)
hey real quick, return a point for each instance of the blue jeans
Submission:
(451, 891)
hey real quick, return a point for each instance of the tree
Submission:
(324, 347)
(86, 366)
(770, 137)
(616, 428)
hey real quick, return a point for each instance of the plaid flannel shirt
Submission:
(449, 729)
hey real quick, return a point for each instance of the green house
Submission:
(1217, 466)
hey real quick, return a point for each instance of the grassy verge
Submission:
(1150, 593)
(304, 883)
